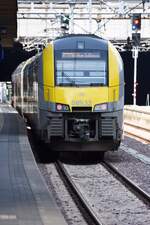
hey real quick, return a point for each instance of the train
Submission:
(72, 94)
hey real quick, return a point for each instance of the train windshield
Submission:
(81, 68)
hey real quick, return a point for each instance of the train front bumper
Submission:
(85, 128)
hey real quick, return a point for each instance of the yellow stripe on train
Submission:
(48, 70)
(113, 70)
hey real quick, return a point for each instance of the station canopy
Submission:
(40, 20)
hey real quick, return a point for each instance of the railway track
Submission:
(87, 211)
(142, 195)
(85, 207)
(136, 121)
(137, 132)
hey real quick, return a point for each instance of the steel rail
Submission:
(136, 135)
(136, 190)
(84, 206)
(137, 126)
(138, 111)
(147, 141)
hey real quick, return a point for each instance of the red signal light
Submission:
(136, 21)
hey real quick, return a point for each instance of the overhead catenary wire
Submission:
(126, 13)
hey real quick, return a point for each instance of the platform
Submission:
(24, 197)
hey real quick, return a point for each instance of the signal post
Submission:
(136, 26)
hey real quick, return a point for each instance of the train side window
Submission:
(35, 79)
(25, 83)
(30, 80)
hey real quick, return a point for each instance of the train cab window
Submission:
(87, 68)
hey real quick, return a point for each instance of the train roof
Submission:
(90, 41)
(78, 35)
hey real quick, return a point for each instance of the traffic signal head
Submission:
(136, 21)
(65, 21)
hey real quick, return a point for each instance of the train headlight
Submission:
(100, 107)
(62, 107)
(59, 107)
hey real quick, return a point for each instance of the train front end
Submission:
(83, 92)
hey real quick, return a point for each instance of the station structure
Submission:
(40, 21)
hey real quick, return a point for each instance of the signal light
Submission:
(65, 21)
(136, 21)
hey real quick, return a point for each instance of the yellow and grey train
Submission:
(72, 93)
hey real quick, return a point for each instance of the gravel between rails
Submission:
(63, 198)
(114, 204)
